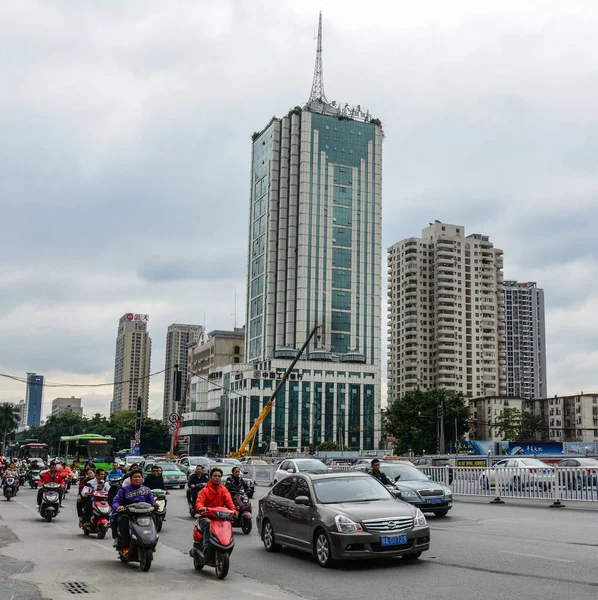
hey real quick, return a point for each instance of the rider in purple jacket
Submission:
(134, 492)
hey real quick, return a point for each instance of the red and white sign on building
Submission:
(134, 317)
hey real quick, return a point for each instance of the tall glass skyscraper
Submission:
(33, 399)
(315, 234)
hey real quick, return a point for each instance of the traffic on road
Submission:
(507, 544)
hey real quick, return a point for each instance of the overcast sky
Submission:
(125, 150)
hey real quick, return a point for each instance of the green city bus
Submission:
(100, 448)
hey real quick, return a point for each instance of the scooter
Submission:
(160, 512)
(100, 515)
(144, 536)
(194, 494)
(220, 545)
(22, 475)
(244, 516)
(34, 478)
(10, 487)
(50, 505)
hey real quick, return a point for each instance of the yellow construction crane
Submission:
(251, 436)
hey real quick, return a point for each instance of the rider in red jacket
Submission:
(51, 476)
(213, 495)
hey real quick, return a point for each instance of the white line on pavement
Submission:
(536, 556)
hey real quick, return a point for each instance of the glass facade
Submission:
(314, 236)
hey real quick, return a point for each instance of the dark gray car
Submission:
(340, 516)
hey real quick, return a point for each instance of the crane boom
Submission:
(268, 407)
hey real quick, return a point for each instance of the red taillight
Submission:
(534, 470)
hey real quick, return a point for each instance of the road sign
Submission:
(136, 449)
(173, 417)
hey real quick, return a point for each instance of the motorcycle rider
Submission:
(114, 472)
(193, 484)
(134, 492)
(88, 477)
(235, 484)
(155, 481)
(378, 474)
(11, 471)
(213, 495)
(50, 476)
(98, 484)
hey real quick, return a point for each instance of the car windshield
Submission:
(311, 465)
(349, 489)
(226, 469)
(403, 473)
(588, 462)
(530, 462)
(167, 466)
(440, 462)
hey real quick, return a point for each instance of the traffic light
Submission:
(139, 408)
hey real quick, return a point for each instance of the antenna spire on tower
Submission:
(317, 87)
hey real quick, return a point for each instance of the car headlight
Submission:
(345, 525)
(447, 491)
(420, 520)
(409, 494)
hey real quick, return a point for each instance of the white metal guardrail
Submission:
(261, 474)
(542, 483)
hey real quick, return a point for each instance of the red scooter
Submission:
(221, 543)
(100, 515)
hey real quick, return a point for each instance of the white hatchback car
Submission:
(297, 465)
(517, 473)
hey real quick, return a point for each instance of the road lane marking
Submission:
(536, 556)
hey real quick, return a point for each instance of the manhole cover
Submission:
(78, 587)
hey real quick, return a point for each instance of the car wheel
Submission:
(410, 557)
(441, 513)
(516, 483)
(182, 487)
(484, 483)
(322, 549)
(268, 537)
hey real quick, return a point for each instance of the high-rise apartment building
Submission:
(33, 399)
(178, 339)
(314, 254)
(132, 363)
(526, 340)
(72, 405)
(446, 313)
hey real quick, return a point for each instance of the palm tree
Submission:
(9, 420)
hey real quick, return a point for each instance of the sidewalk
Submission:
(37, 558)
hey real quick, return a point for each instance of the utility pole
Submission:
(440, 427)
(138, 425)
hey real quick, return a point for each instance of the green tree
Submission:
(155, 436)
(532, 428)
(508, 425)
(413, 419)
(62, 423)
(331, 447)
(9, 421)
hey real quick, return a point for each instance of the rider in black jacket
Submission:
(236, 484)
(194, 484)
(155, 481)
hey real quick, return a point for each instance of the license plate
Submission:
(433, 500)
(172, 480)
(393, 540)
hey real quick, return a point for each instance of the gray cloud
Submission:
(126, 149)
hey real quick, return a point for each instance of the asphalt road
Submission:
(480, 551)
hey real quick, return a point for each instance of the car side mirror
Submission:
(430, 477)
(303, 500)
(397, 494)
(290, 470)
